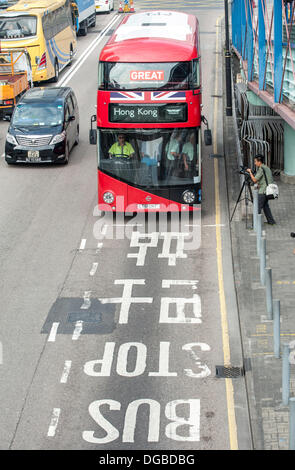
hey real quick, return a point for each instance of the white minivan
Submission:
(104, 5)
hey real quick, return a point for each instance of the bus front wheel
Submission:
(56, 72)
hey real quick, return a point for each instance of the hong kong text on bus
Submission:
(148, 119)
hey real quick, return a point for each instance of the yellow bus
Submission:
(46, 29)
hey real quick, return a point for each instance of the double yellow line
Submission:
(224, 322)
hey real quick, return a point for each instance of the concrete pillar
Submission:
(288, 176)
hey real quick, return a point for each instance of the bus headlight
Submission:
(189, 197)
(108, 197)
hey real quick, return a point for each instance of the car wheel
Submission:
(77, 136)
(67, 155)
(56, 72)
(84, 31)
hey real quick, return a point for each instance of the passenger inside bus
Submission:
(188, 153)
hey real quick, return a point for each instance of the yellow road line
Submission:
(224, 322)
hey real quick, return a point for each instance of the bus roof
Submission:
(156, 36)
(26, 6)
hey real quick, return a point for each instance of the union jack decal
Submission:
(168, 95)
(147, 96)
(127, 96)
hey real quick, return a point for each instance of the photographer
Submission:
(262, 177)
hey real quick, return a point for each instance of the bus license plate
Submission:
(148, 206)
(33, 156)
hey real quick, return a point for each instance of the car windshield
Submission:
(36, 114)
(18, 27)
(150, 157)
(145, 76)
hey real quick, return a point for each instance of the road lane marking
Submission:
(83, 244)
(224, 322)
(99, 247)
(86, 54)
(53, 422)
(53, 332)
(66, 372)
(78, 330)
(93, 269)
(87, 302)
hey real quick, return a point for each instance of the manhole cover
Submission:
(228, 372)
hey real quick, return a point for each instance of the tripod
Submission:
(246, 186)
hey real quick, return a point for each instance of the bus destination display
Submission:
(126, 113)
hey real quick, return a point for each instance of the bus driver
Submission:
(121, 148)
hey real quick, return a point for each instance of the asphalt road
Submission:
(110, 341)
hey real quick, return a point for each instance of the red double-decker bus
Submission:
(148, 119)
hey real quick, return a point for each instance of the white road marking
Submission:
(178, 420)
(86, 54)
(168, 236)
(53, 332)
(180, 304)
(104, 230)
(127, 300)
(53, 422)
(87, 302)
(83, 244)
(66, 372)
(167, 283)
(205, 371)
(78, 330)
(99, 247)
(204, 225)
(142, 245)
(93, 269)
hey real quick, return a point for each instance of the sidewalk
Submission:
(269, 418)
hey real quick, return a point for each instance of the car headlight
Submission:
(108, 197)
(11, 139)
(58, 138)
(189, 197)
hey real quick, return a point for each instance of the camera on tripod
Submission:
(243, 171)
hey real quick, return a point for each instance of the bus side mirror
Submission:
(92, 137)
(207, 132)
(93, 132)
(208, 137)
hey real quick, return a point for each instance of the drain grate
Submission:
(229, 372)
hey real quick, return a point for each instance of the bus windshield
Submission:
(18, 26)
(145, 76)
(150, 157)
